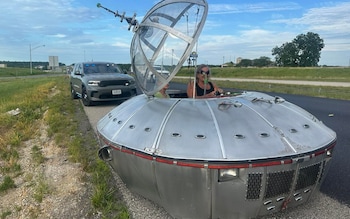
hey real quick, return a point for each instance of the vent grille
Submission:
(254, 186)
(322, 171)
(308, 176)
(279, 183)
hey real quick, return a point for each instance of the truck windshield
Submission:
(101, 68)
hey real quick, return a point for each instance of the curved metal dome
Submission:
(230, 157)
(249, 126)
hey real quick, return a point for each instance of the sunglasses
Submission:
(205, 72)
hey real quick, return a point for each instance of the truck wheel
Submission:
(73, 93)
(85, 98)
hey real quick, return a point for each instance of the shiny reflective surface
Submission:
(198, 159)
(201, 129)
(227, 157)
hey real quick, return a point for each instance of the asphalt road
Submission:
(334, 200)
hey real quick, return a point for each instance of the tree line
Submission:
(303, 51)
(26, 64)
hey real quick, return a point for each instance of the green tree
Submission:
(303, 51)
(262, 61)
(245, 63)
(286, 55)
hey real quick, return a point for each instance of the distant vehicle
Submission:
(160, 69)
(100, 81)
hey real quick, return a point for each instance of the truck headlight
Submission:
(93, 83)
(228, 174)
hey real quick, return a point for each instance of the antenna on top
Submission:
(131, 20)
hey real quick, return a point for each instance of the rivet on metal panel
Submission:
(115, 119)
(306, 126)
(264, 135)
(119, 122)
(150, 150)
(148, 129)
(132, 126)
(200, 136)
(175, 134)
(293, 131)
(307, 190)
(239, 136)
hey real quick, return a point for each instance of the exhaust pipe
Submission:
(104, 153)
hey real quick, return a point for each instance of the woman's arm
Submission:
(217, 89)
(190, 90)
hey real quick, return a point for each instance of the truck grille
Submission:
(114, 82)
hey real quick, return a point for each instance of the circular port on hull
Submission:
(104, 153)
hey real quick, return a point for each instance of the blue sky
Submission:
(76, 30)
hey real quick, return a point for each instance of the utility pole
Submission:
(30, 56)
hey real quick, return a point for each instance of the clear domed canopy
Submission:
(164, 40)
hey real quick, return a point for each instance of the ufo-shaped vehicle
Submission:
(234, 156)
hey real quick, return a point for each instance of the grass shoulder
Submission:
(341, 74)
(45, 103)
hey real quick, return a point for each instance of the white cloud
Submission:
(64, 26)
(72, 28)
(335, 19)
(252, 8)
(60, 35)
(332, 23)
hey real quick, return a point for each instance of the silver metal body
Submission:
(229, 157)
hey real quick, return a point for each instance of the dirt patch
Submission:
(55, 188)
